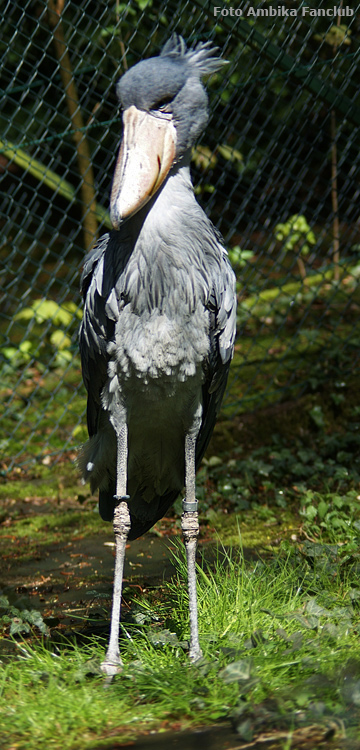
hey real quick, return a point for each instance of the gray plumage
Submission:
(159, 308)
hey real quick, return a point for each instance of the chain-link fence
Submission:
(276, 169)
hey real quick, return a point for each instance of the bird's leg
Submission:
(112, 663)
(190, 529)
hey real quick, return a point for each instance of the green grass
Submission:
(48, 527)
(265, 628)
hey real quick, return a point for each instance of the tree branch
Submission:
(89, 220)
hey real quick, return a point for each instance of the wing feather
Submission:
(222, 307)
(102, 267)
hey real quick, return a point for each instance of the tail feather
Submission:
(97, 460)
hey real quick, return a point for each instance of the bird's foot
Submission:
(110, 668)
(195, 654)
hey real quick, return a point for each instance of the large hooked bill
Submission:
(146, 155)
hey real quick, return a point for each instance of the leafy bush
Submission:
(297, 236)
(50, 326)
(335, 516)
(239, 258)
(18, 621)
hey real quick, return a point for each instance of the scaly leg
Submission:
(190, 529)
(112, 663)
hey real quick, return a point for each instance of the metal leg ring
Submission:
(189, 507)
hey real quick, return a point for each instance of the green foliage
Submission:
(317, 416)
(17, 621)
(332, 516)
(295, 234)
(50, 326)
(231, 154)
(43, 310)
(283, 471)
(18, 355)
(335, 36)
(239, 258)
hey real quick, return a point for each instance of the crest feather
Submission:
(203, 58)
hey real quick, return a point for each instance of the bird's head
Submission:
(165, 110)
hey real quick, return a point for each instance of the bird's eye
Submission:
(163, 105)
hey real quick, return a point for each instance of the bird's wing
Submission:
(222, 308)
(102, 268)
(93, 331)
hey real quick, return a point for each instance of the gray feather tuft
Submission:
(203, 58)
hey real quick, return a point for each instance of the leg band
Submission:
(189, 507)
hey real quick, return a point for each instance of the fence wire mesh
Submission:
(276, 169)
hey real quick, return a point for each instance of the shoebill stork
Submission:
(158, 328)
